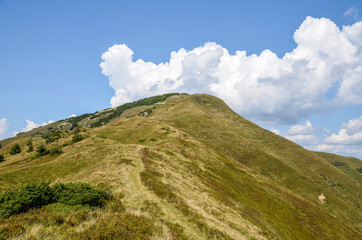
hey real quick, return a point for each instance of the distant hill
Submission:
(182, 167)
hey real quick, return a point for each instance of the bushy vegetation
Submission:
(56, 151)
(30, 145)
(2, 158)
(41, 150)
(338, 164)
(146, 112)
(75, 120)
(359, 170)
(15, 149)
(77, 138)
(143, 102)
(52, 136)
(79, 194)
(41, 194)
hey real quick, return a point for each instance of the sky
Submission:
(292, 67)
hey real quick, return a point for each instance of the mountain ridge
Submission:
(255, 184)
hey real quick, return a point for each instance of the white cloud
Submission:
(353, 150)
(300, 138)
(46, 123)
(301, 129)
(263, 88)
(352, 11)
(30, 125)
(3, 126)
(348, 141)
(349, 134)
(276, 131)
(73, 115)
(354, 125)
(303, 134)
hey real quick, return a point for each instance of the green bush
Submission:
(56, 151)
(53, 136)
(120, 109)
(25, 198)
(79, 194)
(41, 194)
(2, 158)
(77, 138)
(338, 164)
(42, 150)
(30, 145)
(15, 149)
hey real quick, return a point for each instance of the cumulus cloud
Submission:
(301, 129)
(349, 134)
(30, 125)
(276, 131)
(351, 150)
(302, 134)
(3, 126)
(301, 138)
(348, 141)
(322, 72)
(73, 115)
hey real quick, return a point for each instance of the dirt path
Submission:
(139, 193)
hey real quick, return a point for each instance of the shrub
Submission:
(2, 158)
(41, 194)
(15, 149)
(42, 150)
(79, 194)
(30, 145)
(25, 198)
(56, 151)
(77, 138)
(338, 164)
(120, 109)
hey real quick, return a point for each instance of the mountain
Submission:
(183, 167)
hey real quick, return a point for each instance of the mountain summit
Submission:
(181, 167)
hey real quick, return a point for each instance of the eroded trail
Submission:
(138, 194)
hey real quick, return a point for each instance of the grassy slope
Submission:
(348, 165)
(200, 171)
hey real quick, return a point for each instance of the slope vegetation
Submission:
(181, 167)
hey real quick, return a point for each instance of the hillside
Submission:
(183, 167)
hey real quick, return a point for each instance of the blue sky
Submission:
(50, 55)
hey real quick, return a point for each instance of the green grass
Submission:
(192, 169)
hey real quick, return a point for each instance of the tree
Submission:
(42, 150)
(2, 158)
(30, 145)
(15, 149)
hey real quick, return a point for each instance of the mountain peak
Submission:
(194, 169)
